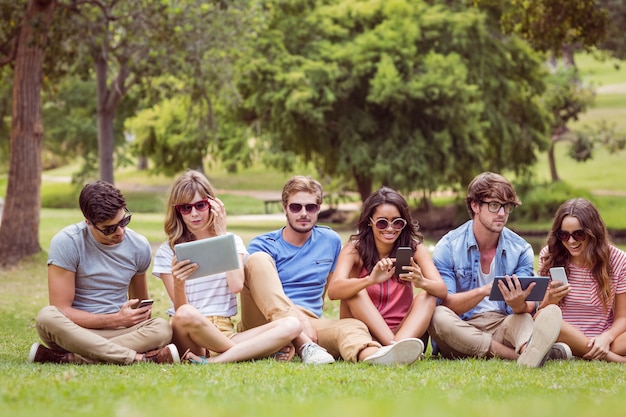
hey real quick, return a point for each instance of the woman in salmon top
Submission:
(365, 279)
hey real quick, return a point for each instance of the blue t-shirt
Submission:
(303, 270)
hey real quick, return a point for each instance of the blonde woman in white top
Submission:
(203, 308)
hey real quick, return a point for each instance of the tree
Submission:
(183, 127)
(19, 237)
(568, 98)
(402, 93)
(555, 26)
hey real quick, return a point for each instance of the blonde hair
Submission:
(183, 191)
(303, 183)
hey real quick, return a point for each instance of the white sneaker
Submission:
(313, 354)
(404, 352)
(545, 332)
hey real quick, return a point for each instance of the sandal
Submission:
(192, 358)
(285, 354)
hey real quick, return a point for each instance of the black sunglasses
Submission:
(109, 230)
(297, 208)
(202, 205)
(578, 235)
(382, 224)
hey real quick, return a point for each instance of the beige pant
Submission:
(458, 338)
(263, 300)
(117, 346)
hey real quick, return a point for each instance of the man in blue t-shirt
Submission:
(286, 275)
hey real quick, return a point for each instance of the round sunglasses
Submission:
(382, 224)
(184, 209)
(578, 235)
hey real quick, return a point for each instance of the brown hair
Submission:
(100, 202)
(597, 251)
(490, 185)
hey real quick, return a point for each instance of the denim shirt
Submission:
(457, 258)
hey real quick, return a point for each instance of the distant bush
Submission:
(540, 201)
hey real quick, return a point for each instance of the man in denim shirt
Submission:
(467, 323)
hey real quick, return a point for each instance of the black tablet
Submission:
(536, 294)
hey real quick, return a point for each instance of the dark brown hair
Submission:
(364, 238)
(100, 202)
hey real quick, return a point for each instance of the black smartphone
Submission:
(403, 258)
(145, 303)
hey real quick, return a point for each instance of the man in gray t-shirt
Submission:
(96, 279)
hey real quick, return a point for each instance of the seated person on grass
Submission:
(286, 275)
(368, 280)
(96, 278)
(468, 323)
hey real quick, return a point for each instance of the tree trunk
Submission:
(552, 163)
(106, 143)
(19, 230)
(364, 185)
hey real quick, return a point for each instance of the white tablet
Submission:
(213, 255)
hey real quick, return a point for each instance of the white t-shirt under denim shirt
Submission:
(209, 294)
(486, 304)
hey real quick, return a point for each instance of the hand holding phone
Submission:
(145, 303)
(558, 274)
(403, 258)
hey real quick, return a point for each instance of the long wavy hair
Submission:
(364, 238)
(183, 191)
(597, 252)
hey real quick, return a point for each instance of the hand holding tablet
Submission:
(213, 255)
(537, 293)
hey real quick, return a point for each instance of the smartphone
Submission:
(145, 303)
(403, 258)
(558, 274)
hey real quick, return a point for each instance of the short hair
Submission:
(100, 202)
(183, 191)
(303, 183)
(490, 185)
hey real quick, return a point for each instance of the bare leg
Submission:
(577, 341)
(417, 319)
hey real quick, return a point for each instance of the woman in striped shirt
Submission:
(594, 300)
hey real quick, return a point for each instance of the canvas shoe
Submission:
(546, 329)
(41, 354)
(559, 351)
(167, 354)
(404, 352)
(313, 354)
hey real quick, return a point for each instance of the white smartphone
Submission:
(558, 274)
(145, 303)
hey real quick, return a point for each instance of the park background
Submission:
(267, 388)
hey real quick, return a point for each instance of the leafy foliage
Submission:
(397, 92)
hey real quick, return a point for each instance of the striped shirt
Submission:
(211, 294)
(582, 307)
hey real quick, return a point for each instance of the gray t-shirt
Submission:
(103, 272)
